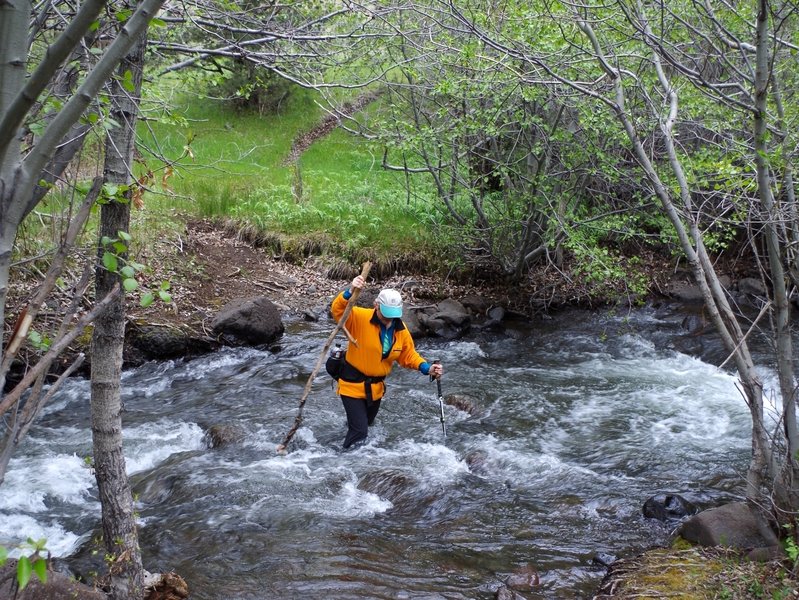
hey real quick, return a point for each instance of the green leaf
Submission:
(156, 22)
(83, 187)
(137, 266)
(110, 124)
(24, 570)
(125, 236)
(3, 555)
(40, 568)
(123, 15)
(165, 285)
(36, 128)
(128, 271)
(146, 300)
(165, 296)
(110, 262)
(129, 284)
(127, 81)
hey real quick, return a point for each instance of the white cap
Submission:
(390, 302)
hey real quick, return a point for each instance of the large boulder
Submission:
(412, 323)
(733, 525)
(476, 304)
(450, 320)
(248, 321)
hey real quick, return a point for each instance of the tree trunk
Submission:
(786, 497)
(762, 466)
(119, 525)
(13, 31)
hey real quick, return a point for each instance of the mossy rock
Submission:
(695, 573)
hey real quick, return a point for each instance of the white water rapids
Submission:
(581, 419)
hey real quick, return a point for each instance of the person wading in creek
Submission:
(382, 339)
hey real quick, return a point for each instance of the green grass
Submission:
(337, 192)
(231, 153)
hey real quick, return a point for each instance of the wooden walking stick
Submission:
(281, 449)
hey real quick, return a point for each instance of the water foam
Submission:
(350, 503)
(59, 541)
(33, 482)
(151, 443)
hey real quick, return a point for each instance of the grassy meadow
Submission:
(232, 164)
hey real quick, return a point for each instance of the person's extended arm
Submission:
(412, 359)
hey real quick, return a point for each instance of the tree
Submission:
(513, 169)
(116, 500)
(23, 164)
(610, 54)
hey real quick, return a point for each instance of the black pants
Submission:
(360, 414)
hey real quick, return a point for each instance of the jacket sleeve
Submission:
(409, 358)
(338, 306)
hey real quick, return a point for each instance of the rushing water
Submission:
(581, 419)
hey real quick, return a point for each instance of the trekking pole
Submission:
(440, 400)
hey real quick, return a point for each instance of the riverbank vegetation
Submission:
(596, 144)
(331, 199)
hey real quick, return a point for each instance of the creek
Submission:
(581, 418)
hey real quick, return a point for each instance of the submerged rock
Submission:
(666, 507)
(461, 402)
(504, 593)
(525, 579)
(218, 436)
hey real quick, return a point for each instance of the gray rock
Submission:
(496, 313)
(604, 559)
(475, 304)
(157, 342)
(685, 290)
(751, 286)
(452, 312)
(251, 321)
(412, 323)
(733, 525)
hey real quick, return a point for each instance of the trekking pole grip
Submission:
(432, 377)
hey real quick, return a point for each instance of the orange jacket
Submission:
(367, 356)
